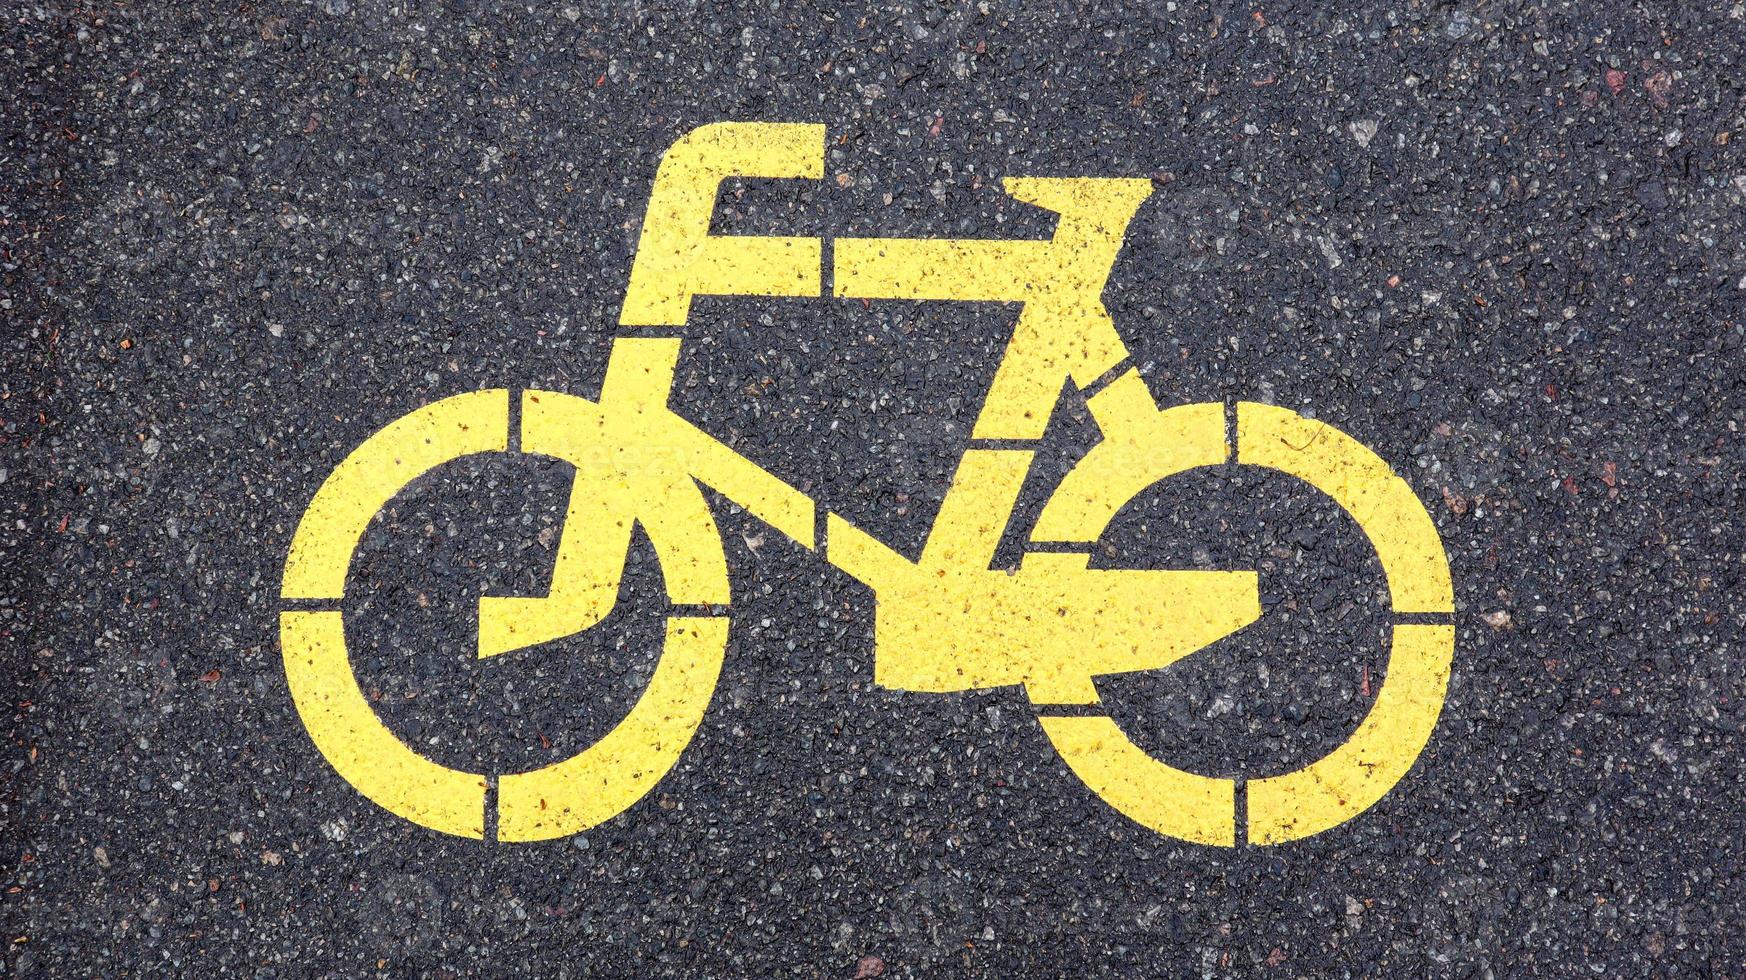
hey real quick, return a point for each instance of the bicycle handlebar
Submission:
(678, 258)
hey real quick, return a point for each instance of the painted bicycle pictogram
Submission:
(946, 621)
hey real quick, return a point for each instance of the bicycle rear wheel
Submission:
(567, 796)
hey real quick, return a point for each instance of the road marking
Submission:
(944, 622)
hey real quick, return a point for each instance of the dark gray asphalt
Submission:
(1501, 243)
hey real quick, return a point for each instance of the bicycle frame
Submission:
(945, 622)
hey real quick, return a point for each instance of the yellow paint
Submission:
(948, 622)
(625, 475)
(945, 621)
(362, 484)
(591, 553)
(1143, 445)
(356, 743)
(1189, 807)
(1350, 779)
(622, 478)
(1360, 482)
(678, 258)
(1063, 331)
(603, 780)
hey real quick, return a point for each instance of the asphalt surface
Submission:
(1499, 243)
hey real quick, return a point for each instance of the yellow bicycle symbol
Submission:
(944, 622)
